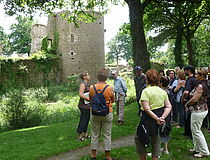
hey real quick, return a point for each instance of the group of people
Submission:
(161, 99)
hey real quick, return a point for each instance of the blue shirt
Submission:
(179, 92)
(120, 86)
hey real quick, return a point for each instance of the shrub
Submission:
(17, 113)
(73, 83)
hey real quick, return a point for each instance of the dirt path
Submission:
(80, 152)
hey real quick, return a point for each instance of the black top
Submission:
(190, 85)
(139, 84)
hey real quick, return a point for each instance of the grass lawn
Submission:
(44, 141)
(178, 147)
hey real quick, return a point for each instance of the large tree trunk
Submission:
(178, 47)
(139, 46)
(189, 48)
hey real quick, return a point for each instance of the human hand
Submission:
(160, 121)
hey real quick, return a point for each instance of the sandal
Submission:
(81, 139)
(87, 137)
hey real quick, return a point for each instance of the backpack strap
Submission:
(104, 89)
(95, 89)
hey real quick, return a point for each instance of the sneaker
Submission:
(199, 155)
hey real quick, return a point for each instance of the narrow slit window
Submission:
(72, 38)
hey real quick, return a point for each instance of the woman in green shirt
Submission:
(156, 107)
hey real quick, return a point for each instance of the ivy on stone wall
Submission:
(14, 71)
(50, 45)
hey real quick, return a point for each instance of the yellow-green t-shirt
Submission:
(155, 96)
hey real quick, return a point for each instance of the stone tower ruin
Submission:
(81, 49)
(38, 32)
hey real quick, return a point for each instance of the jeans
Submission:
(180, 112)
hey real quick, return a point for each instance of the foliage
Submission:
(172, 20)
(201, 44)
(50, 47)
(3, 36)
(19, 40)
(73, 82)
(16, 114)
(45, 62)
(120, 47)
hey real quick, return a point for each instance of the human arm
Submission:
(148, 111)
(124, 87)
(181, 83)
(112, 95)
(81, 92)
(167, 109)
(197, 95)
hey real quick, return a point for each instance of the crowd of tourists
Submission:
(181, 97)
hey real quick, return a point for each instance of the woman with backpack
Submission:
(198, 107)
(101, 120)
(84, 107)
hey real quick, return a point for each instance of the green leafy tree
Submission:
(78, 8)
(173, 20)
(201, 44)
(3, 38)
(120, 46)
(20, 40)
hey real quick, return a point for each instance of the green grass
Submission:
(179, 146)
(44, 141)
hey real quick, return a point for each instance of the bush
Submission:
(17, 114)
(73, 83)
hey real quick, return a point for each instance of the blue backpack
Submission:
(99, 107)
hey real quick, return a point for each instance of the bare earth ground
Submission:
(80, 152)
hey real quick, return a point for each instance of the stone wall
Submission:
(81, 49)
(28, 73)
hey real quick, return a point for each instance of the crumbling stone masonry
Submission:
(38, 32)
(81, 49)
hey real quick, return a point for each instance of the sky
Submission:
(117, 16)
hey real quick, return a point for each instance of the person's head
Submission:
(161, 73)
(138, 70)
(164, 81)
(201, 74)
(114, 74)
(171, 74)
(177, 69)
(181, 75)
(85, 76)
(189, 70)
(102, 75)
(152, 77)
(209, 68)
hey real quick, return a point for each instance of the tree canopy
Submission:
(161, 14)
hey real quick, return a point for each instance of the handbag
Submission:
(143, 135)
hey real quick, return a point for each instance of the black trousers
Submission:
(84, 120)
(187, 124)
